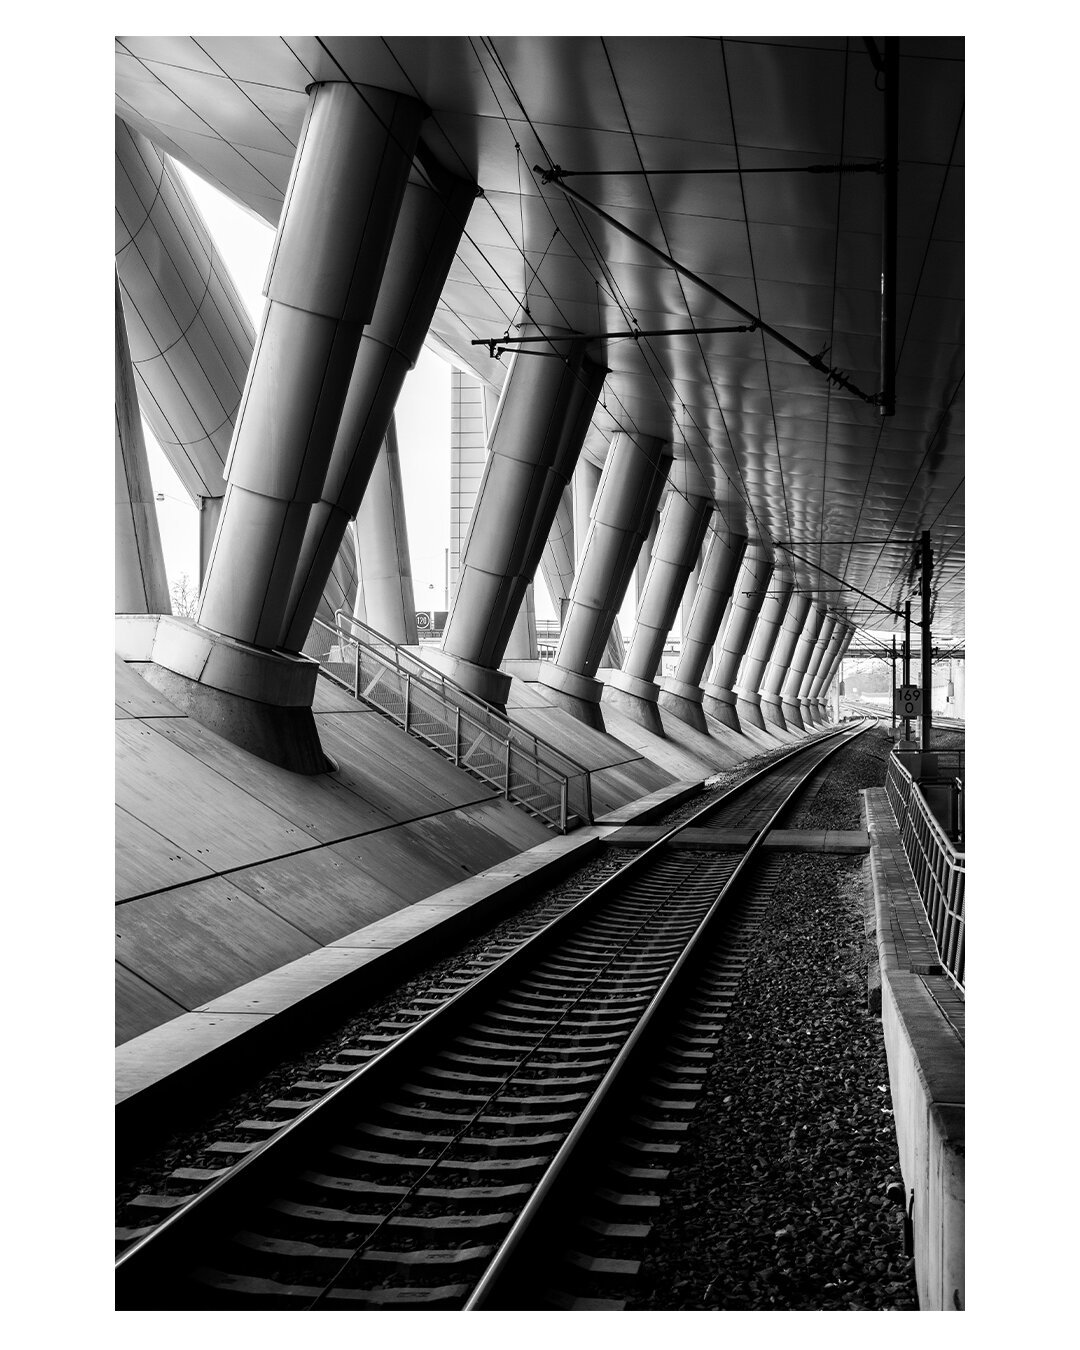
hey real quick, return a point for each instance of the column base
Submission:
(809, 713)
(772, 713)
(578, 694)
(636, 698)
(793, 715)
(482, 682)
(720, 703)
(259, 700)
(749, 710)
(684, 702)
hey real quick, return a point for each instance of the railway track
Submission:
(507, 1148)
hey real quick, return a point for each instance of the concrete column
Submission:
(348, 179)
(828, 665)
(141, 586)
(558, 562)
(746, 602)
(426, 237)
(811, 715)
(583, 488)
(641, 570)
(845, 643)
(192, 340)
(766, 631)
(682, 693)
(779, 663)
(789, 694)
(538, 430)
(384, 593)
(677, 548)
(633, 479)
(209, 517)
(522, 645)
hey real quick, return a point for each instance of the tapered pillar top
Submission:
(348, 179)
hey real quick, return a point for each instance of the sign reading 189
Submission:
(907, 701)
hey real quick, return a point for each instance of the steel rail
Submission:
(487, 1288)
(145, 1259)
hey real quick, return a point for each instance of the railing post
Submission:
(457, 736)
(506, 792)
(408, 691)
(562, 805)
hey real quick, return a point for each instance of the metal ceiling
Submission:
(785, 454)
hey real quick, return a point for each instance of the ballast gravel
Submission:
(788, 1194)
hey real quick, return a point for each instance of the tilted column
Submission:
(789, 693)
(348, 179)
(794, 620)
(190, 334)
(633, 479)
(140, 583)
(811, 716)
(384, 592)
(766, 632)
(583, 486)
(522, 645)
(426, 237)
(846, 635)
(538, 431)
(641, 570)
(558, 563)
(825, 671)
(746, 602)
(678, 544)
(682, 693)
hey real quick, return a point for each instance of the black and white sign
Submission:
(907, 701)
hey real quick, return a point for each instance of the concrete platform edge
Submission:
(201, 1049)
(925, 1054)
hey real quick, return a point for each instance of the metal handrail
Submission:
(461, 697)
(472, 734)
(939, 868)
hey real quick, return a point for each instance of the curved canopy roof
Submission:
(643, 124)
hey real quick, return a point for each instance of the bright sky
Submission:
(423, 420)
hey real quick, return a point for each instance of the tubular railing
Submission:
(469, 732)
(937, 865)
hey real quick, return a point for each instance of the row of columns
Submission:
(362, 251)
(530, 491)
(363, 247)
